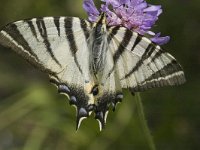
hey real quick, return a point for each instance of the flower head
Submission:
(135, 15)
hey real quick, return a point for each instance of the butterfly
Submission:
(91, 62)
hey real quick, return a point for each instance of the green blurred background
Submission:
(33, 116)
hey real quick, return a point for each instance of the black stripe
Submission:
(101, 19)
(167, 70)
(70, 37)
(57, 24)
(137, 41)
(158, 54)
(113, 33)
(163, 73)
(124, 43)
(43, 32)
(30, 23)
(150, 48)
(155, 84)
(13, 31)
(84, 28)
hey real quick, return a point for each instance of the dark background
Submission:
(33, 116)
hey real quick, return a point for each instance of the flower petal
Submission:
(152, 8)
(160, 40)
(140, 6)
(91, 9)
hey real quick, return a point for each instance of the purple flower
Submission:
(160, 40)
(135, 15)
(92, 11)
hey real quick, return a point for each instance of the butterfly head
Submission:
(100, 25)
(102, 18)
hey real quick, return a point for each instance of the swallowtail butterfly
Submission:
(90, 62)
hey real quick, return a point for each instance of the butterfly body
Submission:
(99, 46)
(90, 62)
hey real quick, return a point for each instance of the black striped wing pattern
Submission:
(141, 64)
(50, 44)
(134, 63)
(60, 47)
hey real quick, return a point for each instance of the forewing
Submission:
(48, 42)
(141, 64)
(56, 45)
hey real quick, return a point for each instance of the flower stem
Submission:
(143, 122)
